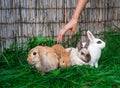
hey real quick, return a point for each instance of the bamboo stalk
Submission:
(22, 19)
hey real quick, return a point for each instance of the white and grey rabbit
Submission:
(79, 55)
(95, 47)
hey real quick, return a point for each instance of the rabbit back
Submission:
(75, 60)
(63, 55)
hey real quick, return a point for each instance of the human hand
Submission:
(71, 25)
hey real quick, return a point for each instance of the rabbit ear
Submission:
(87, 44)
(79, 45)
(40, 55)
(90, 36)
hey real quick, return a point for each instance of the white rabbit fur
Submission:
(76, 57)
(95, 47)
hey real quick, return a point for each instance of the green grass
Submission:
(15, 72)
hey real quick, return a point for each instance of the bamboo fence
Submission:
(23, 19)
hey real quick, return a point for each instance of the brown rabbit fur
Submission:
(63, 55)
(43, 58)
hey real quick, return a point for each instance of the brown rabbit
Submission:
(44, 59)
(63, 55)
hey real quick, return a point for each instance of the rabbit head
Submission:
(95, 41)
(83, 52)
(34, 57)
(65, 59)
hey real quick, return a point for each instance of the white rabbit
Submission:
(95, 47)
(79, 55)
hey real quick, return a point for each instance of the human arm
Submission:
(72, 24)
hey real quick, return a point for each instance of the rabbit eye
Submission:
(82, 53)
(34, 53)
(99, 42)
(63, 61)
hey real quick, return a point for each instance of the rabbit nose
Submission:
(88, 57)
(32, 64)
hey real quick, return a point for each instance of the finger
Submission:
(59, 39)
(72, 32)
(62, 32)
